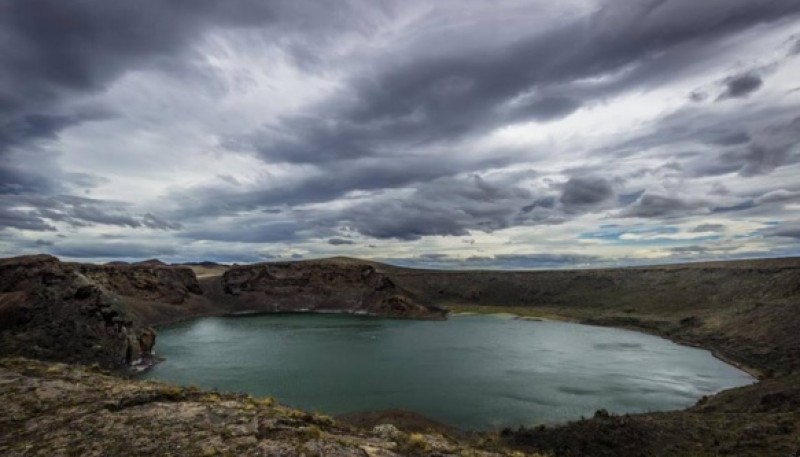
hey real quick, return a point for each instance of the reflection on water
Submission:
(471, 371)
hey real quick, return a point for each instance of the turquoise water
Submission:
(474, 372)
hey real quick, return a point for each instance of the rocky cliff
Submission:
(322, 286)
(60, 311)
(103, 314)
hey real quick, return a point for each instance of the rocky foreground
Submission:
(53, 409)
(747, 312)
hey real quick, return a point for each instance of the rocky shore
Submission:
(747, 312)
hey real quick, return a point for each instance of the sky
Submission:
(447, 134)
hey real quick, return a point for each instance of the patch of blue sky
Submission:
(615, 232)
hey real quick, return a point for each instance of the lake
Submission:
(473, 372)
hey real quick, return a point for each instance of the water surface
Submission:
(473, 372)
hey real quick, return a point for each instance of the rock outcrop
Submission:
(73, 312)
(322, 286)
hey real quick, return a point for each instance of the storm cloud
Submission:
(244, 130)
(741, 85)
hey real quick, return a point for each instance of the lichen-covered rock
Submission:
(51, 409)
(68, 312)
(387, 431)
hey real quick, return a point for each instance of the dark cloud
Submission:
(750, 143)
(698, 249)
(112, 250)
(334, 181)
(506, 261)
(547, 203)
(702, 228)
(731, 139)
(23, 220)
(653, 205)
(786, 230)
(433, 256)
(546, 108)
(391, 147)
(465, 91)
(586, 191)
(697, 96)
(42, 211)
(80, 214)
(795, 49)
(38, 126)
(759, 160)
(741, 86)
(53, 51)
(15, 180)
(246, 231)
(152, 221)
(444, 206)
(778, 196)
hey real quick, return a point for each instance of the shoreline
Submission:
(752, 371)
(453, 312)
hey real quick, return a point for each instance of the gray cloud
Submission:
(152, 221)
(23, 220)
(787, 230)
(653, 205)
(702, 228)
(244, 231)
(467, 91)
(586, 191)
(741, 86)
(396, 150)
(506, 261)
(699, 250)
(444, 206)
(758, 159)
(14, 180)
(778, 196)
(43, 211)
(112, 250)
(339, 241)
(52, 50)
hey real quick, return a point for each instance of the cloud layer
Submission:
(479, 134)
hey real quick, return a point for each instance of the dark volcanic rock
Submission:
(145, 281)
(80, 313)
(322, 286)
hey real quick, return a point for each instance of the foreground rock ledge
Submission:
(53, 409)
